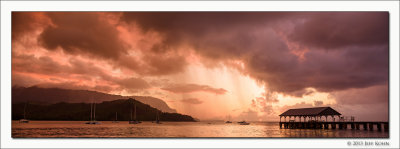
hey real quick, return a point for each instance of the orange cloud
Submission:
(189, 88)
(192, 101)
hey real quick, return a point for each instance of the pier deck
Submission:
(335, 125)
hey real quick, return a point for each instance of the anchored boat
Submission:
(24, 120)
(244, 123)
(134, 120)
(93, 119)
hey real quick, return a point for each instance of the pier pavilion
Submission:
(312, 114)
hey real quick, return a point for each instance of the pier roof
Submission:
(317, 111)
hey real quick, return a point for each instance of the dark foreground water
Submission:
(51, 129)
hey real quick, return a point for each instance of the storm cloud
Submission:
(360, 40)
(333, 30)
(87, 33)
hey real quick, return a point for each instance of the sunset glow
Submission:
(211, 65)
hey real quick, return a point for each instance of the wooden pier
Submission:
(313, 118)
(379, 126)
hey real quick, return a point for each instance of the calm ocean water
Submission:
(51, 129)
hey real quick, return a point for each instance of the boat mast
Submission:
(91, 114)
(135, 113)
(131, 113)
(25, 111)
(94, 112)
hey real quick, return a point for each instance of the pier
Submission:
(379, 126)
(317, 118)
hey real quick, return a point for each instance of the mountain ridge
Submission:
(104, 111)
(39, 95)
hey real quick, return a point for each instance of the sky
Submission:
(212, 65)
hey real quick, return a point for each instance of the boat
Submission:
(116, 118)
(134, 120)
(229, 118)
(93, 119)
(93, 122)
(158, 118)
(243, 123)
(24, 120)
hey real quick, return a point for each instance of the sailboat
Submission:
(244, 123)
(134, 120)
(158, 119)
(24, 120)
(116, 118)
(229, 118)
(93, 120)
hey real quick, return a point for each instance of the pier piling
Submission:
(371, 126)
(379, 126)
(386, 126)
(326, 126)
(333, 125)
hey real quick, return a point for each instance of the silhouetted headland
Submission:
(105, 111)
(42, 95)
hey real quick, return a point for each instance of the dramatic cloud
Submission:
(263, 104)
(214, 35)
(337, 70)
(134, 83)
(334, 30)
(164, 64)
(30, 63)
(45, 65)
(256, 39)
(25, 23)
(192, 101)
(252, 38)
(77, 32)
(367, 96)
(295, 106)
(71, 73)
(23, 80)
(318, 103)
(189, 88)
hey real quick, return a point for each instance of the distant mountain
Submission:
(105, 111)
(40, 95)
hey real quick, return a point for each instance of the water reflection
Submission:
(48, 129)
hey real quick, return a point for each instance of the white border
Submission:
(8, 6)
